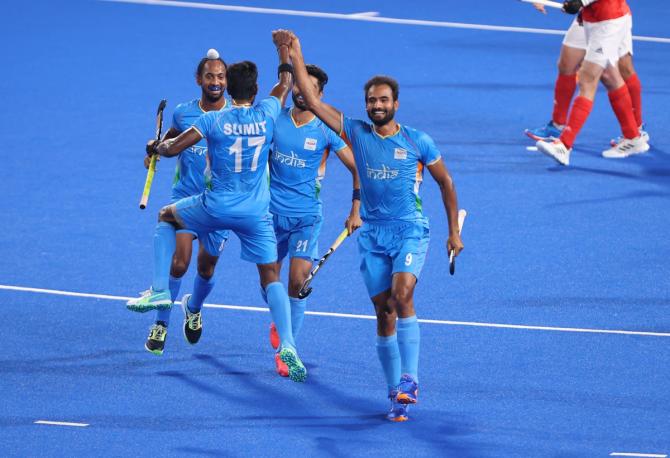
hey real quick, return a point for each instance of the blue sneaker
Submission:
(398, 410)
(296, 369)
(545, 132)
(150, 300)
(408, 390)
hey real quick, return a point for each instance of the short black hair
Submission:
(203, 61)
(242, 77)
(318, 73)
(382, 79)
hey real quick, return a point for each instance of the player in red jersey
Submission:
(607, 27)
(571, 56)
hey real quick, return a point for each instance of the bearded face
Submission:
(379, 105)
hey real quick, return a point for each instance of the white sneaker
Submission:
(556, 149)
(627, 147)
(643, 133)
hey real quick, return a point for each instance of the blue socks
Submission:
(280, 308)
(164, 314)
(298, 307)
(175, 286)
(201, 289)
(389, 356)
(164, 246)
(409, 338)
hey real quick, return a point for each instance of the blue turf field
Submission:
(582, 247)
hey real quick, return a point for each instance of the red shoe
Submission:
(274, 336)
(282, 368)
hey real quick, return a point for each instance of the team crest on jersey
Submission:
(400, 153)
(310, 144)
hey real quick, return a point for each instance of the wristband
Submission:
(285, 68)
(356, 194)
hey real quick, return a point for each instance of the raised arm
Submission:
(282, 40)
(174, 146)
(353, 221)
(329, 115)
(441, 175)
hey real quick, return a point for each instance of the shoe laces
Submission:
(157, 332)
(194, 320)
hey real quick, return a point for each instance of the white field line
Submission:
(366, 17)
(355, 316)
(60, 423)
(645, 455)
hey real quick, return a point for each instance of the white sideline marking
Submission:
(366, 14)
(359, 17)
(60, 423)
(531, 148)
(360, 317)
(647, 455)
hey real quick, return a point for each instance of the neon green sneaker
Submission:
(156, 341)
(150, 300)
(296, 370)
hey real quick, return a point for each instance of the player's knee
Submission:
(565, 67)
(206, 271)
(206, 266)
(166, 214)
(268, 273)
(294, 286)
(402, 297)
(626, 67)
(386, 317)
(178, 267)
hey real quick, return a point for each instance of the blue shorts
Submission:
(390, 248)
(256, 234)
(216, 239)
(298, 236)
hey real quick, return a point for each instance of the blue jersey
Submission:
(238, 140)
(191, 173)
(298, 163)
(390, 169)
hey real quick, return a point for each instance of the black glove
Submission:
(572, 6)
(152, 147)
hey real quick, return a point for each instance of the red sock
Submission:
(581, 109)
(563, 92)
(623, 109)
(635, 91)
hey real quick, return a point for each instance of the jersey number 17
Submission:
(237, 148)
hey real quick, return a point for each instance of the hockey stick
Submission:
(548, 3)
(152, 163)
(306, 289)
(452, 258)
